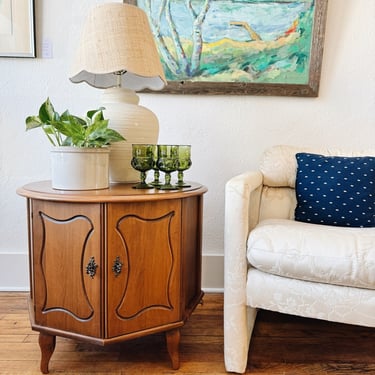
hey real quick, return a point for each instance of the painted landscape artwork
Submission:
(257, 41)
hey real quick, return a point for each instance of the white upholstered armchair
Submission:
(311, 264)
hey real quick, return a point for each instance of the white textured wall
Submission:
(227, 133)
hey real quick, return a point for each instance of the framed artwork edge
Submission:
(311, 89)
(29, 35)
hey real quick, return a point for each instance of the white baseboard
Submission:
(14, 272)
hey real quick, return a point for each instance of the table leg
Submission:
(173, 343)
(47, 345)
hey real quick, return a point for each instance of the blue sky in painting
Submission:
(269, 19)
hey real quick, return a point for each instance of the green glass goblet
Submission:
(156, 182)
(183, 163)
(167, 163)
(142, 161)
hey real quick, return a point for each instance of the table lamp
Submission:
(117, 52)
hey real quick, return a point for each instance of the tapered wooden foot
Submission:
(173, 343)
(47, 345)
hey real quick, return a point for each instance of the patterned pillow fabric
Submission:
(335, 190)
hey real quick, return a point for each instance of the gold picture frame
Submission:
(299, 45)
(17, 28)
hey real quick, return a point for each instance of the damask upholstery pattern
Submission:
(311, 299)
(255, 196)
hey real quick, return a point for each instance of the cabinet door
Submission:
(144, 242)
(66, 242)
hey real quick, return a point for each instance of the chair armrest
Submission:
(242, 202)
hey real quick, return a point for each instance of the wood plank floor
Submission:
(282, 345)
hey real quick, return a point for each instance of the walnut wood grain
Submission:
(47, 345)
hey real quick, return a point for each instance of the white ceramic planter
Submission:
(75, 168)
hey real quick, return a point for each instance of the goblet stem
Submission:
(167, 179)
(167, 183)
(180, 180)
(143, 184)
(143, 177)
(156, 181)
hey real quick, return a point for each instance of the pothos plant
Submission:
(69, 130)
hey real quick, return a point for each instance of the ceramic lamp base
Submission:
(134, 122)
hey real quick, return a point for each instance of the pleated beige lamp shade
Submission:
(117, 38)
(117, 52)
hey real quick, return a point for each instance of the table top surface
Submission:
(117, 192)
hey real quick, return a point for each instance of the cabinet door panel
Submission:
(67, 238)
(145, 237)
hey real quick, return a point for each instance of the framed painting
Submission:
(253, 47)
(17, 31)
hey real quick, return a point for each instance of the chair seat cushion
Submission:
(314, 252)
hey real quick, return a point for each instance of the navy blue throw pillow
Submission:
(335, 190)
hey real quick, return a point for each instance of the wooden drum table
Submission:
(114, 264)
